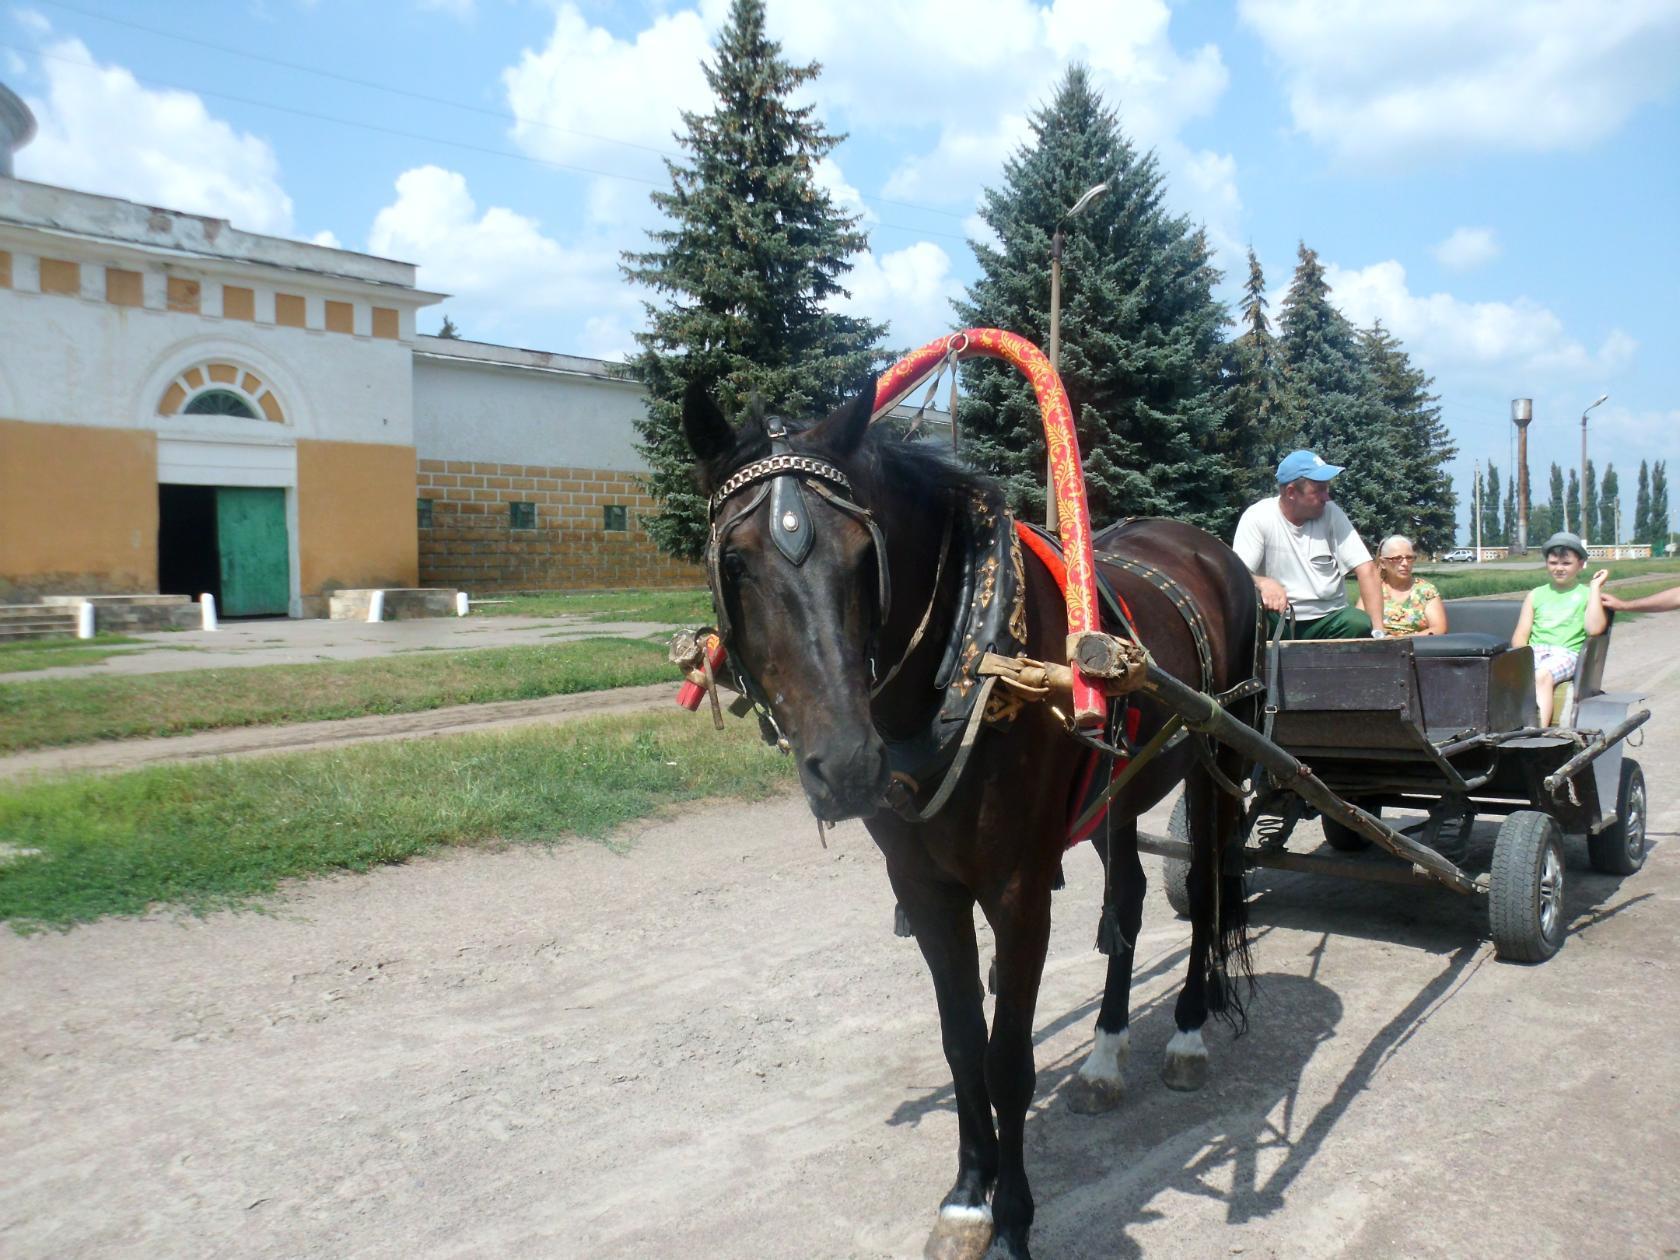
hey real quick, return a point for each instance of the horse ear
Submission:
(843, 431)
(708, 433)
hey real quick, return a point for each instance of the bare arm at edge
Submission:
(1662, 601)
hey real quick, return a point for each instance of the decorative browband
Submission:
(776, 466)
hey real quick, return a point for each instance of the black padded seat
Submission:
(1460, 643)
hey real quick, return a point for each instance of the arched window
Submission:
(221, 389)
(219, 402)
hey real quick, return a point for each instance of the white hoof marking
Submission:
(1107, 1061)
(1188, 1045)
(957, 1215)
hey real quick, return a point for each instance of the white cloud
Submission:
(101, 131)
(327, 237)
(33, 21)
(589, 98)
(498, 264)
(1509, 344)
(1398, 84)
(1468, 248)
(910, 289)
(14, 63)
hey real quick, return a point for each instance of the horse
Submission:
(843, 601)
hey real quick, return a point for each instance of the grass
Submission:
(1461, 583)
(47, 712)
(668, 607)
(31, 654)
(225, 834)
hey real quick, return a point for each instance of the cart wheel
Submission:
(1345, 838)
(1620, 848)
(1525, 893)
(1175, 873)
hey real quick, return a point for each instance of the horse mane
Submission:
(899, 466)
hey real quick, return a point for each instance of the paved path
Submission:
(286, 642)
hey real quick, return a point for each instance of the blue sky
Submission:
(1498, 182)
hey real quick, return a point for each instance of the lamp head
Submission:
(1087, 197)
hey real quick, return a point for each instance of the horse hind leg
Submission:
(1185, 1066)
(1100, 1084)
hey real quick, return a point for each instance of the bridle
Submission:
(782, 478)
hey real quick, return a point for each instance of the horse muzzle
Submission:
(847, 783)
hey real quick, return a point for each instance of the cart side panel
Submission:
(1348, 694)
(1491, 691)
(1600, 713)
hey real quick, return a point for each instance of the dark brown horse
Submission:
(838, 571)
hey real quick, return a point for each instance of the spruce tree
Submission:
(1491, 533)
(1642, 505)
(1589, 503)
(449, 332)
(1659, 506)
(1141, 332)
(1255, 445)
(1609, 503)
(743, 272)
(1556, 501)
(1331, 403)
(1421, 502)
(1572, 504)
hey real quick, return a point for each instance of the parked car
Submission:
(1459, 555)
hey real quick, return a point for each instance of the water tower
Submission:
(17, 127)
(1522, 412)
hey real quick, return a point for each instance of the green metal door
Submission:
(251, 543)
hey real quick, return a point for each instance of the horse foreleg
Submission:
(1100, 1085)
(1021, 923)
(942, 918)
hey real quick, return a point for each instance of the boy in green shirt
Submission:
(1556, 619)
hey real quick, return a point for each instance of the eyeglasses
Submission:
(1398, 559)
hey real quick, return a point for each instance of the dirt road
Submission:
(706, 1041)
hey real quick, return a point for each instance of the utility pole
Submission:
(1586, 525)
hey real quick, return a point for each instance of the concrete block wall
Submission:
(472, 543)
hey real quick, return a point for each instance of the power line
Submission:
(499, 114)
(411, 135)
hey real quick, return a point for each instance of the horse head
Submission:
(798, 573)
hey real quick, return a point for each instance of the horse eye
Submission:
(734, 568)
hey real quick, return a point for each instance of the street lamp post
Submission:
(1585, 523)
(1051, 521)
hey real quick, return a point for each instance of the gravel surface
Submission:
(704, 1039)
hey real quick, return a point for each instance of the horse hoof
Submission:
(1186, 1065)
(1092, 1096)
(961, 1233)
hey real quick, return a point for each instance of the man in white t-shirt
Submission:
(1300, 546)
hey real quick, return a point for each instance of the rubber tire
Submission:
(1346, 839)
(1613, 850)
(1175, 873)
(1514, 891)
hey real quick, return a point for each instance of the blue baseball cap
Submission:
(1304, 464)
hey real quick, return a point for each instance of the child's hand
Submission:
(1599, 578)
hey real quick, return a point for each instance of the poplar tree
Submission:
(1659, 505)
(1642, 505)
(1421, 501)
(752, 254)
(1141, 332)
(1331, 404)
(1589, 503)
(1492, 536)
(1572, 504)
(1558, 517)
(1608, 503)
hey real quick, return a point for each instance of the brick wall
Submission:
(471, 543)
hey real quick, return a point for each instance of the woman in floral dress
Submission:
(1411, 605)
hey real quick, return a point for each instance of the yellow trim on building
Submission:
(289, 310)
(123, 288)
(355, 518)
(78, 510)
(238, 303)
(341, 317)
(58, 276)
(5, 270)
(183, 295)
(385, 323)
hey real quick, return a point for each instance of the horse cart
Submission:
(1444, 725)
(983, 694)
